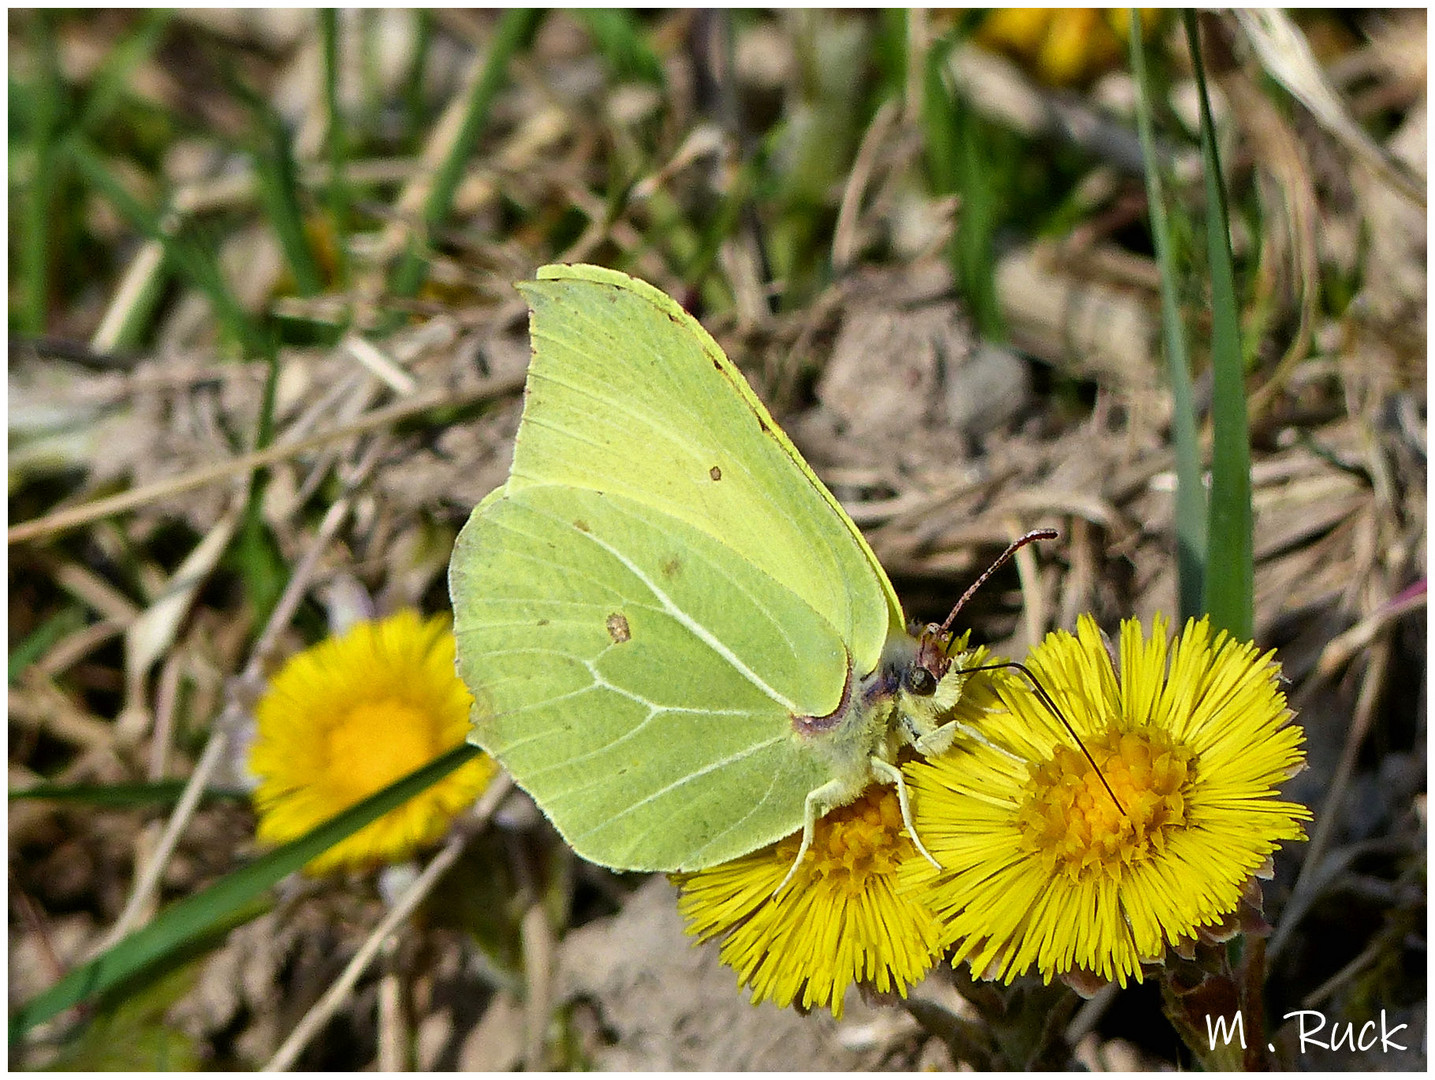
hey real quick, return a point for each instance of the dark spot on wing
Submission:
(618, 628)
(733, 377)
(580, 525)
(715, 473)
(541, 622)
(671, 567)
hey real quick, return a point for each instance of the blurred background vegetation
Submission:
(265, 356)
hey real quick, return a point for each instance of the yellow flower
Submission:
(1040, 865)
(349, 716)
(838, 921)
(1063, 46)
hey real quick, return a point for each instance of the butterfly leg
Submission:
(890, 772)
(819, 801)
(936, 741)
(836, 792)
(940, 739)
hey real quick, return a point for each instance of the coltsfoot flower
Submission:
(839, 921)
(349, 716)
(1043, 865)
(1063, 46)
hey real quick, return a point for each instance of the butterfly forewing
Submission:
(628, 394)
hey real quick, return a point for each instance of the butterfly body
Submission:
(677, 640)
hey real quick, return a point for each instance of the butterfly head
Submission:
(920, 679)
(931, 681)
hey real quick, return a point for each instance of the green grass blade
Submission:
(140, 313)
(413, 90)
(1230, 578)
(114, 80)
(38, 642)
(121, 796)
(959, 163)
(193, 262)
(197, 915)
(337, 197)
(262, 566)
(618, 35)
(514, 29)
(277, 177)
(1190, 494)
(976, 232)
(46, 107)
(939, 128)
(889, 57)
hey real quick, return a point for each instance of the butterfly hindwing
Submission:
(637, 679)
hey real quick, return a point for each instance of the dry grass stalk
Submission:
(314, 1020)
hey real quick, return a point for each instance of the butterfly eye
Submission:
(921, 682)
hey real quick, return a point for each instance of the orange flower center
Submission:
(375, 744)
(854, 842)
(1070, 821)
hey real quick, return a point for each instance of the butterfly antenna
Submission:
(1051, 706)
(1012, 549)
